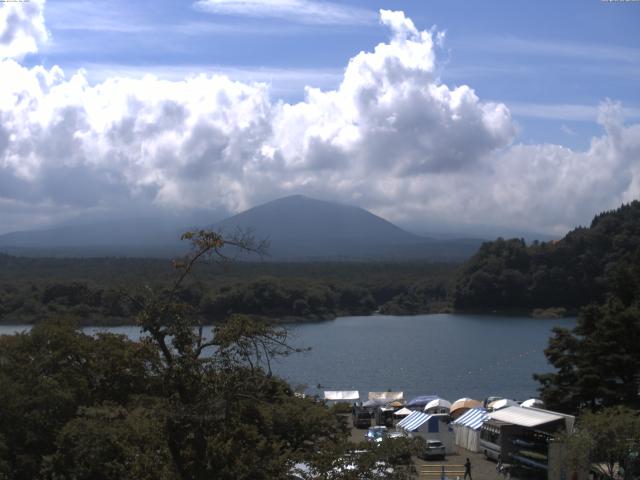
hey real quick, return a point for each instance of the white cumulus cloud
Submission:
(22, 28)
(391, 137)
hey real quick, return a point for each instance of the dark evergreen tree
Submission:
(598, 362)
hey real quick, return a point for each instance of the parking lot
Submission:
(481, 468)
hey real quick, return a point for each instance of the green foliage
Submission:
(607, 440)
(46, 375)
(598, 362)
(583, 267)
(389, 459)
(425, 296)
(97, 291)
(110, 442)
(76, 406)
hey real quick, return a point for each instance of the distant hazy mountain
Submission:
(130, 237)
(298, 228)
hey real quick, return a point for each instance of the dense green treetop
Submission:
(92, 290)
(597, 364)
(608, 442)
(575, 271)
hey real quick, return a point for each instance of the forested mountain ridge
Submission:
(579, 269)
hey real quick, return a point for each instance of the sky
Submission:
(519, 115)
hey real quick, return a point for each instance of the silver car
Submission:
(433, 449)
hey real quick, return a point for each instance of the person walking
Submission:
(467, 469)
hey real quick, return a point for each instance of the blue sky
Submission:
(528, 111)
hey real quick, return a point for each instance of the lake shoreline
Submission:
(541, 314)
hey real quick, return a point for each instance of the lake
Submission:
(443, 354)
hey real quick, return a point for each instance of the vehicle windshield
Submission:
(376, 432)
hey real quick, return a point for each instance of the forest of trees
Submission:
(581, 268)
(96, 291)
(598, 362)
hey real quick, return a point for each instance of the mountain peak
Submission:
(299, 199)
(298, 228)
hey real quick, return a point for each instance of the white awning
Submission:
(385, 397)
(569, 420)
(403, 412)
(525, 417)
(337, 395)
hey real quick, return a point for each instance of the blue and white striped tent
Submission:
(473, 419)
(413, 421)
(430, 426)
(467, 428)
(423, 422)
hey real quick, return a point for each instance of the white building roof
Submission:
(525, 417)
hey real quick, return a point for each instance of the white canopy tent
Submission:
(403, 412)
(439, 405)
(342, 395)
(386, 397)
(462, 405)
(467, 428)
(502, 403)
(413, 421)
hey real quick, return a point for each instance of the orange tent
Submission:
(462, 405)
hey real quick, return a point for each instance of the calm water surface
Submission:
(449, 355)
